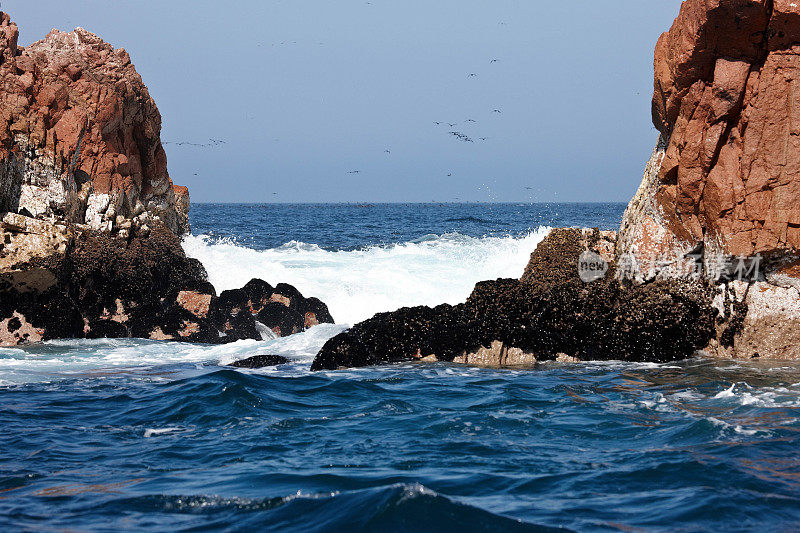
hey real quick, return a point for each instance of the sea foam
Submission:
(357, 284)
(87, 358)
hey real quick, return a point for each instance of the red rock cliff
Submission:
(80, 135)
(726, 171)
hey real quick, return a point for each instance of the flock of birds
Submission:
(452, 131)
(459, 135)
(463, 137)
(210, 144)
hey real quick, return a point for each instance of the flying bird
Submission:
(473, 75)
(451, 125)
(483, 138)
(387, 151)
(494, 61)
(461, 137)
(470, 120)
(354, 172)
(496, 111)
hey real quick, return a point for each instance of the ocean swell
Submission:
(398, 507)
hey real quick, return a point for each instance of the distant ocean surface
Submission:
(159, 436)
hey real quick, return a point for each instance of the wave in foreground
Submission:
(357, 284)
(400, 507)
(697, 445)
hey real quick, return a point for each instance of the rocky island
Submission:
(90, 221)
(706, 258)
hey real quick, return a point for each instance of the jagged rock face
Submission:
(727, 168)
(79, 135)
(725, 173)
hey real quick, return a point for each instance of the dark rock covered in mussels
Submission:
(83, 283)
(282, 310)
(550, 314)
(99, 285)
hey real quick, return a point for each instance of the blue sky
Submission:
(304, 93)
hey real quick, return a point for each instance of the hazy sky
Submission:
(305, 92)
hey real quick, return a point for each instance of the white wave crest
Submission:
(357, 284)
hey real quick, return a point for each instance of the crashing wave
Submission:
(356, 284)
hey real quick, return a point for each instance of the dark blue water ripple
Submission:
(694, 446)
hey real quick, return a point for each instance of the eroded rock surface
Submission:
(727, 168)
(79, 136)
(724, 178)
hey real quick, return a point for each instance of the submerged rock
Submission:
(550, 314)
(260, 361)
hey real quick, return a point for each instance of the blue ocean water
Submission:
(161, 436)
(353, 226)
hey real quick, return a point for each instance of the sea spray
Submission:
(356, 284)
